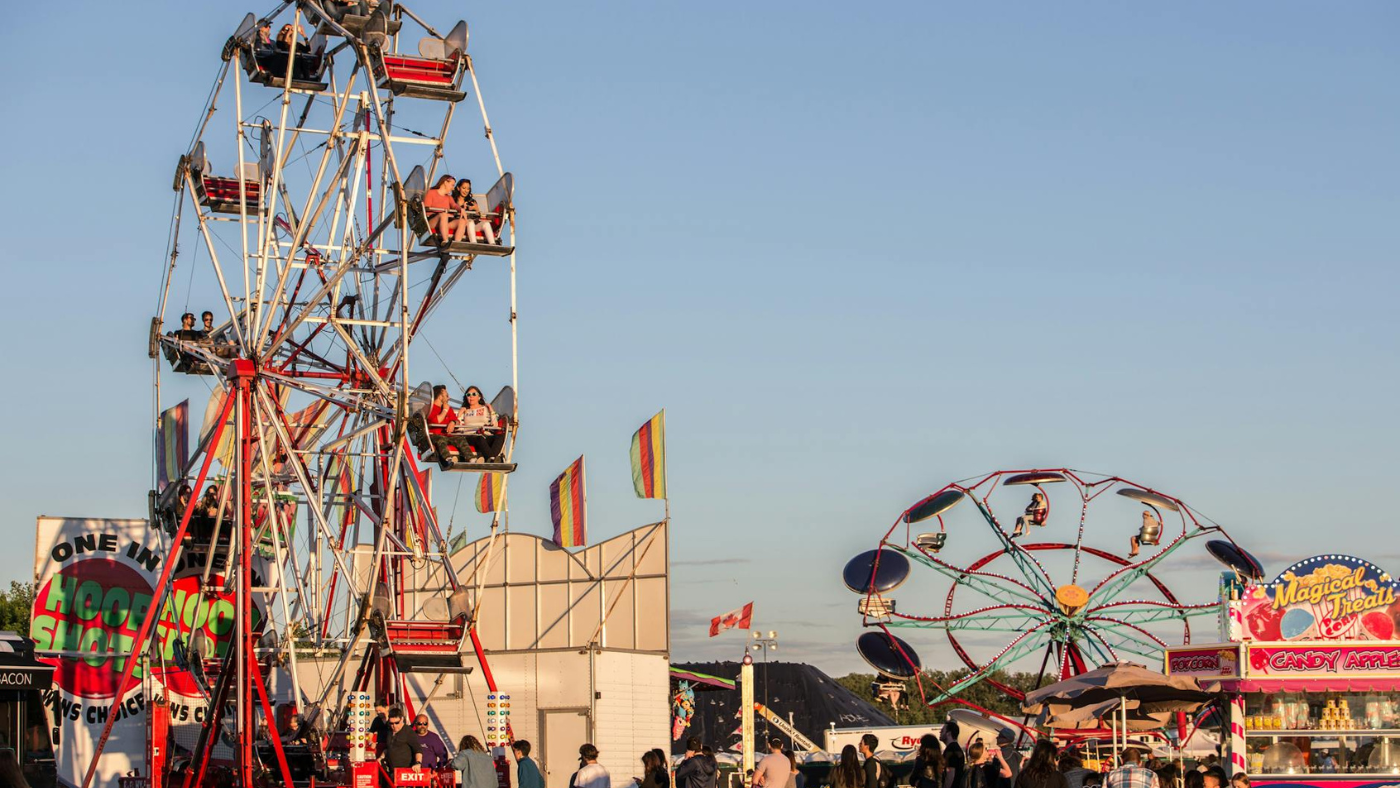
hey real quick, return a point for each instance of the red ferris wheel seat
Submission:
(436, 73)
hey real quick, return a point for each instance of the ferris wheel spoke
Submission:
(1026, 643)
(1119, 581)
(1147, 612)
(985, 583)
(1124, 637)
(303, 478)
(992, 619)
(1034, 574)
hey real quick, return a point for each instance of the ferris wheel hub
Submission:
(1071, 598)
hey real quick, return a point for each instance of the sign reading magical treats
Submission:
(1326, 597)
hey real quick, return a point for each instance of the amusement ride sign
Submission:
(1326, 597)
(95, 583)
(1325, 617)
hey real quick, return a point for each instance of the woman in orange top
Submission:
(442, 209)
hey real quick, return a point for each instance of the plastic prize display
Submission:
(1310, 663)
(497, 719)
(1060, 568)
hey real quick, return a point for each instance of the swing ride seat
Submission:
(1150, 534)
(420, 77)
(932, 542)
(425, 646)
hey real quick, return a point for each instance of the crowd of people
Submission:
(940, 763)
(943, 763)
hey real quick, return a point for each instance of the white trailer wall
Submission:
(580, 638)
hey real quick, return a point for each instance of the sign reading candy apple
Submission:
(1326, 597)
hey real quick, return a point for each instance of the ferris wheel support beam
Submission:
(301, 229)
(304, 480)
(218, 270)
(327, 287)
(138, 646)
(271, 209)
(238, 142)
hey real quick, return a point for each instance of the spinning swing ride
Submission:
(1071, 597)
(324, 261)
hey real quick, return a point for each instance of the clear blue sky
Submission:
(857, 251)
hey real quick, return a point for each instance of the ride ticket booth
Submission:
(1311, 673)
(24, 726)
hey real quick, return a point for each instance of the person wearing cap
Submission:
(590, 774)
(434, 750)
(775, 768)
(1005, 742)
(1131, 774)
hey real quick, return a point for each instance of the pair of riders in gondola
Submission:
(271, 53)
(454, 214)
(188, 333)
(468, 434)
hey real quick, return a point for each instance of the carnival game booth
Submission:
(1311, 673)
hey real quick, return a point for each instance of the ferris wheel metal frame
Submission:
(325, 319)
(1071, 625)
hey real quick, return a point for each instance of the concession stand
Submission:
(1309, 675)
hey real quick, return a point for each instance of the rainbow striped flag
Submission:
(489, 491)
(172, 444)
(649, 458)
(568, 506)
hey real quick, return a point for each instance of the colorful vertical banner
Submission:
(568, 506)
(489, 491)
(172, 444)
(649, 458)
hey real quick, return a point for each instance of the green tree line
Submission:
(15, 605)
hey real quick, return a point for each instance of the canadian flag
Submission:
(734, 619)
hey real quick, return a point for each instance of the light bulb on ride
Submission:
(772, 634)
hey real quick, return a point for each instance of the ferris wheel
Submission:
(315, 232)
(1077, 576)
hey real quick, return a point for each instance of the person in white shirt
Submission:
(590, 774)
(775, 768)
(476, 421)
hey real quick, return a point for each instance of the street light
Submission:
(765, 644)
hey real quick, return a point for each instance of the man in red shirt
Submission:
(441, 417)
(442, 210)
